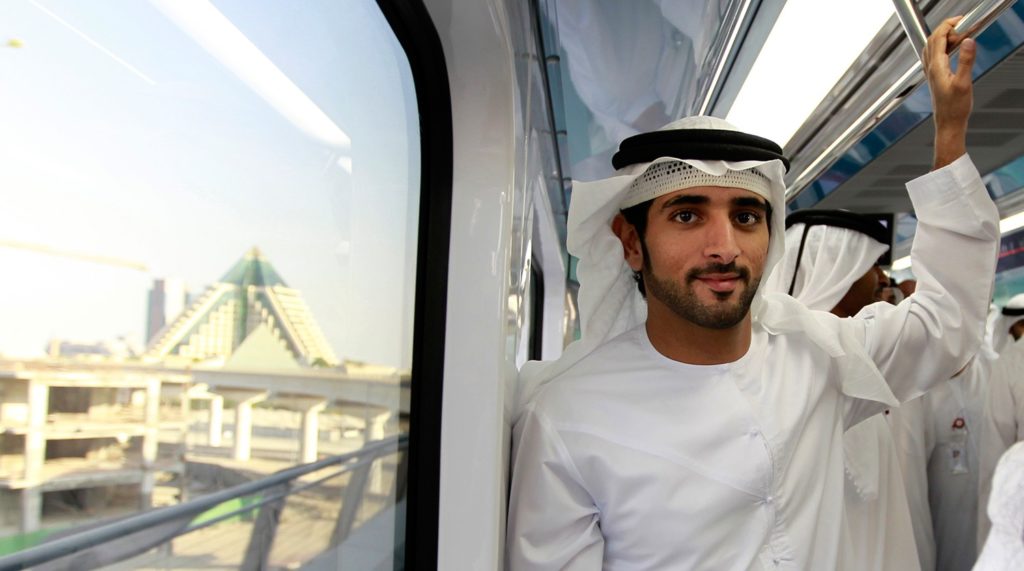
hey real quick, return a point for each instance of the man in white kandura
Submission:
(831, 264)
(703, 429)
(938, 438)
(1004, 409)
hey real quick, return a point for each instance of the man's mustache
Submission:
(730, 268)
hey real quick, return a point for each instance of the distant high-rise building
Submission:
(167, 299)
(250, 297)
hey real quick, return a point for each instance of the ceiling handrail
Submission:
(970, 25)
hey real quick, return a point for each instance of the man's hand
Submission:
(952, 93)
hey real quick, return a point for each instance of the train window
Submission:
(209, 239)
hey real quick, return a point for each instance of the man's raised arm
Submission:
(932, 334)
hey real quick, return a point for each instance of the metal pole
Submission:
(710, 82)
(913, 24)
(355, 491)
(981, 16)
(264, 531)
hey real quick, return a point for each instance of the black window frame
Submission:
(411, 23)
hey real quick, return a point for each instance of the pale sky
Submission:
(123, 136)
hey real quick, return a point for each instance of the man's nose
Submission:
(720, 241)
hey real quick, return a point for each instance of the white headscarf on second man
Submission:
(833, 259)
(1000, 324)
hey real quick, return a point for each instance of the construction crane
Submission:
(93, 258)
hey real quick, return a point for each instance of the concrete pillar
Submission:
(243, 431)
(146, 490)
(35, 438)
(35, 456)
(151, 432)
(377, 426)
(185, 411)
(215, 429)
(375, 431)
(31, 509)
(150, 443)
(310, 432)
(243, 423)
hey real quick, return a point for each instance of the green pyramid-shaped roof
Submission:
(261, 350)
(253, 269)
(251, 299)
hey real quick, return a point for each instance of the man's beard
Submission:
(683, 301)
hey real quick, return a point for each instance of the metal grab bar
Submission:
(722, 53)
(913, 24)
(89, 538)
(917, 30)
(971, 25)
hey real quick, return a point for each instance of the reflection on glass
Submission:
(633, 67)
(208, 240)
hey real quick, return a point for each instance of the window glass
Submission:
(208, 240)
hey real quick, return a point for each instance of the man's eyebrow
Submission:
(685, 199)
(750, 202)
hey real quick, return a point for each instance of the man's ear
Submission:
(631, 249)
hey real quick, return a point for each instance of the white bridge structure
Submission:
(69, 425)
(309, 391)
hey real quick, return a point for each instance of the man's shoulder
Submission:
(602, 372)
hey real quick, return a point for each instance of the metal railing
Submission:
(279, 485)
(721, 54)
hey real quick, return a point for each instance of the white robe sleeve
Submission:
(933, 333)
(553, 522)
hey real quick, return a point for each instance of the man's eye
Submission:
(748, 218)
(685, 216)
